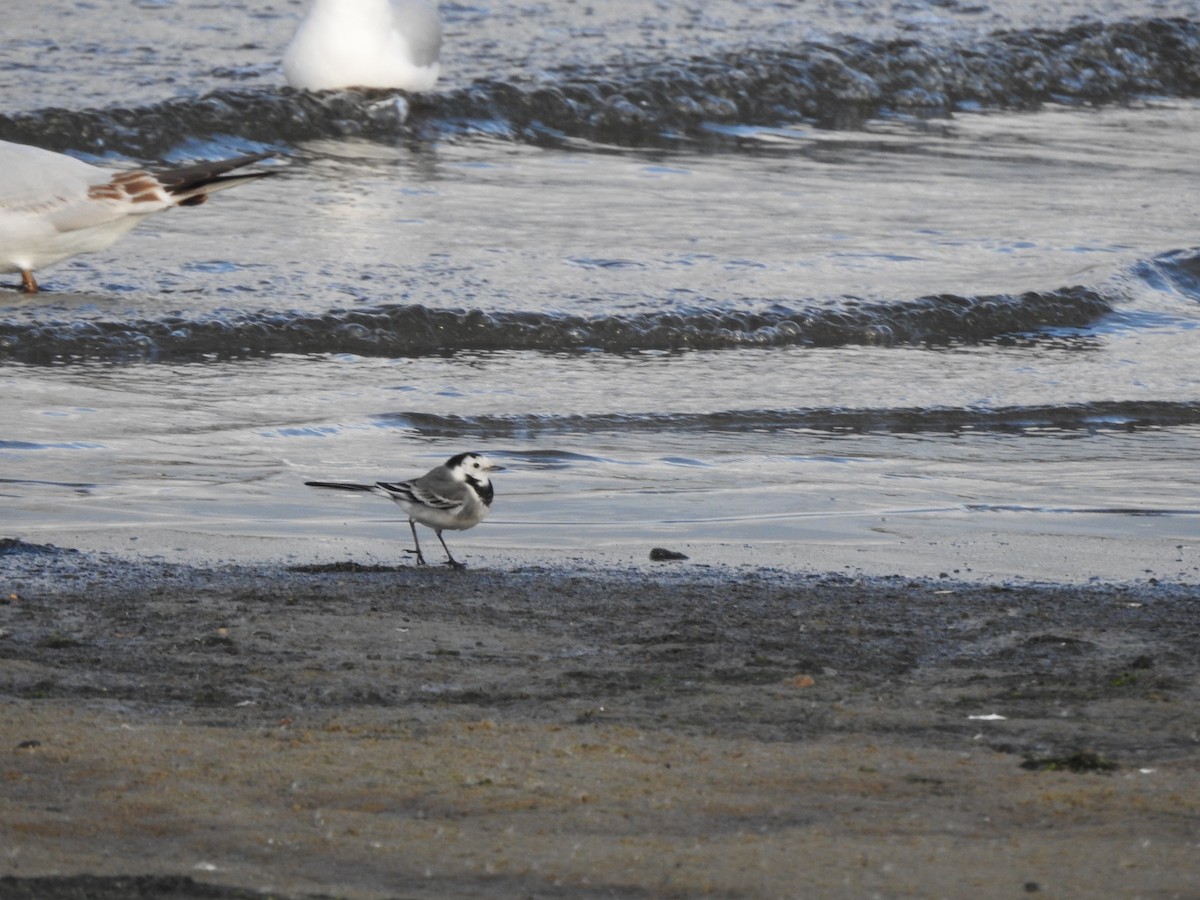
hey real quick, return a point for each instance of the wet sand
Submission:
(574, 731)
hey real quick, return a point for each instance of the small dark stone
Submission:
(661, 554)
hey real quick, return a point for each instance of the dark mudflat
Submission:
(678, 731)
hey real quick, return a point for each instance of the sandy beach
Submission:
(572, 731)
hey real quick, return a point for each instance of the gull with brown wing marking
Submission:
(54, 206)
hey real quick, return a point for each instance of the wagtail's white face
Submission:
(472, 467)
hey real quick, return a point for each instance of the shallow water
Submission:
(919, 341)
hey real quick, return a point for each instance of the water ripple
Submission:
(835, 84)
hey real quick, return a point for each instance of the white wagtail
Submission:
(455, 495)
(53, 206)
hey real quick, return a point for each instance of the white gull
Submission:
(53, 206)
(366, 44)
